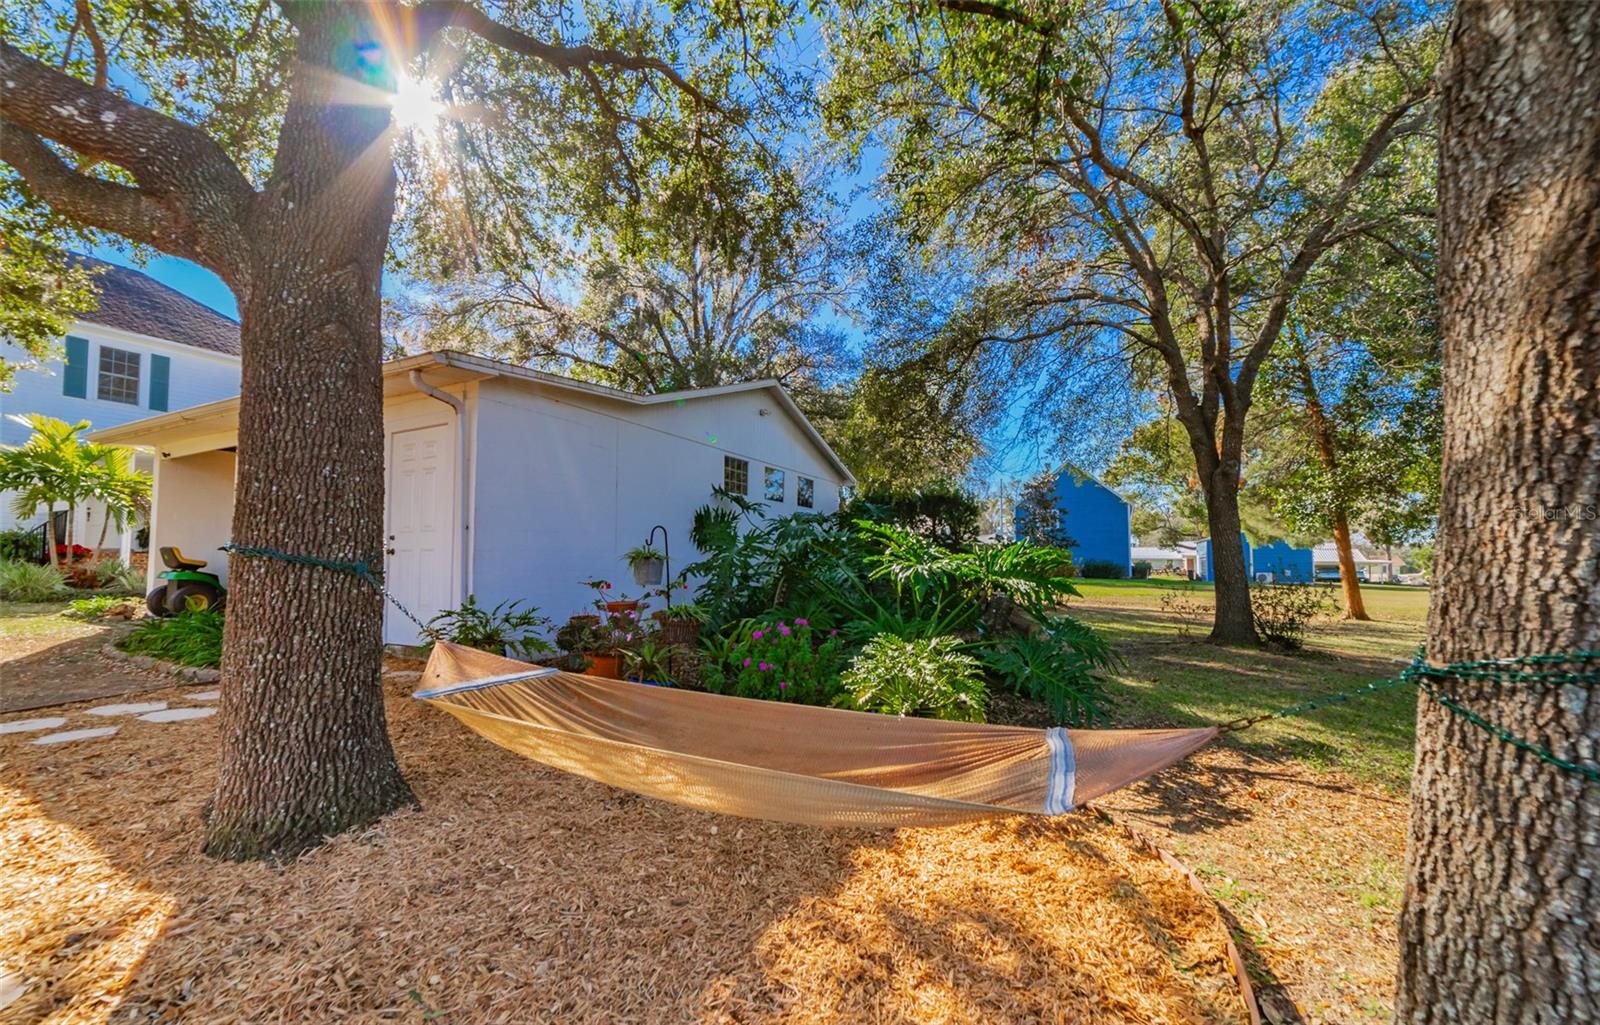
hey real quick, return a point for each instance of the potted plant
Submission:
(680, 624)
(603, 600)
(648, 565)
(650, 663)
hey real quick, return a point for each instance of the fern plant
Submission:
(1059, 668)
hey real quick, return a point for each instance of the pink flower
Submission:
(786, 631)
(833, 633)
(802, 622)
(783, 685)
(747, 663)
(756, 635)
(763, 667)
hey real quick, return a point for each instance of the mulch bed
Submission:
(521, 895)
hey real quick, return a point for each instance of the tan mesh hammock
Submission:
(789, 763)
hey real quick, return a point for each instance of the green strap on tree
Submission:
(368, 571)
(1581, 668)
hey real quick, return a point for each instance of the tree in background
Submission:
(1501, 895)
(1356, 383)
(41, 294)
(1146, 184)
(1038, 513)
(710, 276)
(262, 146)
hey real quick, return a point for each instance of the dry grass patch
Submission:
(521, 895)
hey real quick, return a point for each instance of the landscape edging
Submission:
(193, 674)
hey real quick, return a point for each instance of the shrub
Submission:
(1141, 570)
(30, 582)
(504, 629)
(114, 575)
(20, 546)
(944, 514)
(99, 605)
(1102, 569)
(1058, 668)
(1190, 611)
(1283, 611)
(777, 660)
(189, 638)
(929, 677)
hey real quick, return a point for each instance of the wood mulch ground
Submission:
(1307, 864)
(520, 895)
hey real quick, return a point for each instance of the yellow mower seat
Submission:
(174, 558)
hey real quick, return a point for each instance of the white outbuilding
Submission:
(510, 483)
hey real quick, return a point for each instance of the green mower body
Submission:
(187, 589)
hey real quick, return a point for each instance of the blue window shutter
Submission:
(160, 373)
(75, 379)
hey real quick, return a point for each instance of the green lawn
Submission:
(1174, 677)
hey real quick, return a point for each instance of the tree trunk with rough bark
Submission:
(1354, 606)
(1502, 893)
(1234, 623)
(305, 750)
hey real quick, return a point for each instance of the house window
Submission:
(119, 376)
(774, 484)
(735, 475)
(805, 491)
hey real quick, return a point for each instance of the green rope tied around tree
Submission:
(1581, 669)
(367, 571)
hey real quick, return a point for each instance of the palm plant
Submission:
(113, 481)
(48, 469)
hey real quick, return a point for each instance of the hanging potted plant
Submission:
(648, 564)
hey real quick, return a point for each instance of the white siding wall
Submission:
(566, 484)
(197, 376)
(193, 507)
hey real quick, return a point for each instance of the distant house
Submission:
(1206, 570)
(146, 349)
(1179, 559)
(513, 484)
(1368, 568)
(1282, 563)
(1097, 519)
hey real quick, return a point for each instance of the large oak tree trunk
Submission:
(1234, 623)
(1354, 607)
(1503, 870)
(305, 751)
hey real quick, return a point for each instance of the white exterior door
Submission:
(421, 528)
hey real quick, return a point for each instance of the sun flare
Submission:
(416, 104)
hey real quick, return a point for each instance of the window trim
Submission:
(805, 492)
(129, 358)
(767, 482)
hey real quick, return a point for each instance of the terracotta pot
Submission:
(590, 618)
(609, 666)
(614, 607)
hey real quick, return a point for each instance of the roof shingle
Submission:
(136, 302)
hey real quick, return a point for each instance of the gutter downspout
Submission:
(462, 453)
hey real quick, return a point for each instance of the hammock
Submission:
(788, 763)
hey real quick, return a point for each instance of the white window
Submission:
(805, 492)
(735, 475)
(774, 492)
(119, 376)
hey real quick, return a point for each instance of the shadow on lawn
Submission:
(67, 671)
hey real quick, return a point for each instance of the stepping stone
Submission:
(28, 725)
(204, 695)
(135, 708)
(71, 735)
(177, 714)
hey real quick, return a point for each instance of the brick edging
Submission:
(192, 674)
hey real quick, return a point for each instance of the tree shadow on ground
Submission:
(71, 670)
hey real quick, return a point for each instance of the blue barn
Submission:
(1099, 522)
(1203, 567)
(1286, 563)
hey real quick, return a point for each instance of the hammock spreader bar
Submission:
(789, 763)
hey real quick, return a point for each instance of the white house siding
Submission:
(196, 376)
(567, 483)
(193, 509)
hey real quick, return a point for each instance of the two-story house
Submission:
(147, 349)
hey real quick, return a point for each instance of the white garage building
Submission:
(510, 483)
